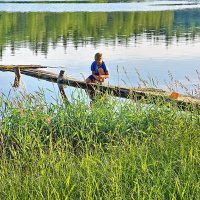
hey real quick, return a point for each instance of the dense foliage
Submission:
(111, 149)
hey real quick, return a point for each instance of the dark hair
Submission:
(98, 56)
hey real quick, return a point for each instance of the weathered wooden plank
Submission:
(145, 94)
(12, 67)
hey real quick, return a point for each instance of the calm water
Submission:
(154, 38)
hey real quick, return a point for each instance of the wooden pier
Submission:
(148, 95)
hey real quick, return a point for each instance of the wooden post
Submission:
(61, 88)
(17, 77)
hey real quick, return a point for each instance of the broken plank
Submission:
(146, 94)
(12, 67)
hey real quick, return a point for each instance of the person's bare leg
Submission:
(101, 72)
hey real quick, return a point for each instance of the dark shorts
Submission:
(91, 77)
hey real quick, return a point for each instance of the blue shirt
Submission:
(96, 68)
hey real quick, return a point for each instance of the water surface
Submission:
(154, 43)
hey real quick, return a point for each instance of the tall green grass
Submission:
(111, 150)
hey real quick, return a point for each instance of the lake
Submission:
(159, 40)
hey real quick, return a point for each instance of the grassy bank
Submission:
(113, 150)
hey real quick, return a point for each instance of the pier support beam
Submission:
(61, 88)
(17, 77)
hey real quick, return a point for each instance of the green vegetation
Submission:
(39, 30)
(114, 150)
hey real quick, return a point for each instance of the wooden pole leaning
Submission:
(17, 77)
(60, 86)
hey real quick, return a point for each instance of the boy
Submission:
(99, 70)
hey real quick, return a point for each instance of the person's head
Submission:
(98, 58)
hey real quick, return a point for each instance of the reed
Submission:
(113, 150)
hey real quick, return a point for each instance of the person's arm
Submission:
(107, 75)
(95, 76)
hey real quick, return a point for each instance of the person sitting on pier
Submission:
(99, 70)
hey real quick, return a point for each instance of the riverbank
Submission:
(112, 150)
